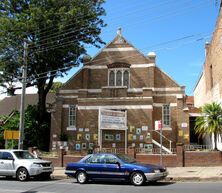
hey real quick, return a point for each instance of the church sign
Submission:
(113, 120)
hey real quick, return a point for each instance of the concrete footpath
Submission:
(175, 173)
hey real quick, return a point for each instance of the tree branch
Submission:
(49, 85)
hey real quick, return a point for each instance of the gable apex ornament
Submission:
(119, 39)
(119, 31)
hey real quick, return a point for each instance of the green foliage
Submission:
(55, 87)
(34, 133)
(211, 121)
(57, 32)
(66, 25)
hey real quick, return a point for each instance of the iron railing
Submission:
(198, 147)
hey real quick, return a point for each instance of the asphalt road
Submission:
(70, 186)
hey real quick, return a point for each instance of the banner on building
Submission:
(113, 120)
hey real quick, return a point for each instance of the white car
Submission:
(22, 165)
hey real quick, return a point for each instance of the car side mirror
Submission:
(118, 163)
(11, 158)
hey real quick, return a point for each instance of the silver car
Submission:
(22, 165)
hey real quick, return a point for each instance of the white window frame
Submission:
(164, 115)
(122, 70)
(72, 118)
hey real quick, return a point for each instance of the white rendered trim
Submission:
(161, 104)
(119, 49)
(115, 98)
(142, 65)
(96, 67)
(115, 107)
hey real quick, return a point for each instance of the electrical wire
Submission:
(70, 31)
(68, 43)
(133, 55)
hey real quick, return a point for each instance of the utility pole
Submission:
(161, 144)
(22, 105)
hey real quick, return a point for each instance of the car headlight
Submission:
(36, 165)
(157, 171)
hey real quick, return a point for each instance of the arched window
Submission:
(111, 78)
(126, 78)
(119, 78)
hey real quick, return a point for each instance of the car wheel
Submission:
(22, 174)
(137, 179)
(81, 177)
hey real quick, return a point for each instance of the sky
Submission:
(176, 30)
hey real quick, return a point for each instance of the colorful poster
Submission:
(130, 137)
(118, 137)
(91, 145)
(78, 147)
(141, 137)
(79, 137)
(80, 129)
(141, 145)
(83, 145)
(95, 137)
(134, 137)
(132, 129)
(138, 131)
(86, 129)
(144, 128)
(87, 136)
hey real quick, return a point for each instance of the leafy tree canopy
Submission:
(57, 33)
(55, 87)
(211, 121)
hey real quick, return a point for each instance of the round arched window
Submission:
(119, 78)
(111, 78)
(126, 78)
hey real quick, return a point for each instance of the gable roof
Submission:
(118, 50)
(9, 104)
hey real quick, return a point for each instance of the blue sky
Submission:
(147, 24)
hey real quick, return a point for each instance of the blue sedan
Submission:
(106, 166)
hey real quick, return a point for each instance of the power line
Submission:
(164, 43)
(68, 43)
(69, 25)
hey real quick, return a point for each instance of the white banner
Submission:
(113, 120)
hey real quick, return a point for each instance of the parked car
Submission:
(106, 166)
(22, 165)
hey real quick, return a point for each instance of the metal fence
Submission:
(198, 147)
(153, 151)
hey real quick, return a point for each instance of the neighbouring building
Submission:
(114, 100)
(10, 104)
(209, 86)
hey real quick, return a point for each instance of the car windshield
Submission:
(126, 159)
(23, 155)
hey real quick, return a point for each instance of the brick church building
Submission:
(122, 86)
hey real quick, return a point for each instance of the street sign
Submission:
(158, 125)
(11, 134)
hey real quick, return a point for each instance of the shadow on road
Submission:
(128, 183)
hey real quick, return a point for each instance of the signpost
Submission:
(158, 127)
(10, 135)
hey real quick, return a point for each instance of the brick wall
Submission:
(181, 159)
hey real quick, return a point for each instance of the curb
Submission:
(167, 179)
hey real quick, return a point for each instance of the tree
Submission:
(57, 32)
(35, 135)
(55, 87)
(211, 121)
